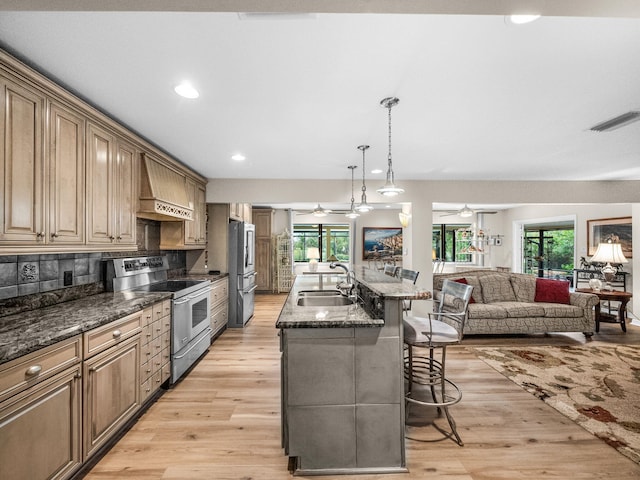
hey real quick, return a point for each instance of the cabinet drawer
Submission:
(166, 372)
(156, 328)
(26, 371)
(145, 353)
(145, 389)
(166, 340)
(219, 317)
(156, 346)
(146, 335)
(166, 356)
(101, 338)
(161, 309)
(146, 370)
(219, 292)
(166, 324)
(147, 316)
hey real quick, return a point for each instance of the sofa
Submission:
(516, 303)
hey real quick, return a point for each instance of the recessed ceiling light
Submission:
(376, 171)
(186, 90)
(521, 19)
(238, 157)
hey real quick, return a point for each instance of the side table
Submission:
(614, 296)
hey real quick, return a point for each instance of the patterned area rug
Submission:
(596, 387)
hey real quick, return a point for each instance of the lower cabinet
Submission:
(111, 372)
(41, 424)
(112, 393)
(155, 367)
(219, 305)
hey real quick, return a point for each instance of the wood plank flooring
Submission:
(222, 422)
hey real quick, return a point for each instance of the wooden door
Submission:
(21, 144)
(44, 426)
(100, 188)
(66, 175)
(126, 201)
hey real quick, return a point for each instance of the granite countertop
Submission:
(203, 276)
(294, 316)
(26, 332)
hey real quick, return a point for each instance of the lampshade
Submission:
(313, 252)
(609, 253)
(404, 219)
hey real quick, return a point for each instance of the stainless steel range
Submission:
(190, 305)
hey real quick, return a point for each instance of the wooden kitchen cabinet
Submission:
(219, 306)
(240, 212)
(43, 201)
(155, 348)
(188, 234)
(111, 371)
(41, 413)
(263, 220)
(112, 189)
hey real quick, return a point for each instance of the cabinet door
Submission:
(126, 201)
(191, 226)
(263, 264)
(66, 175)
(201, 214)
(40, 429)
(112, 392)
(100, 208)
(21, 138)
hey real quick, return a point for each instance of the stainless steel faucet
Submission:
(347, 286)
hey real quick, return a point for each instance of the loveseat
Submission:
(516, 303)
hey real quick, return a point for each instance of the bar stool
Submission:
(429, 335)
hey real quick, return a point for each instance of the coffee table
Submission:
(614, 296)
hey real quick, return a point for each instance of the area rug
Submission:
(597, 387)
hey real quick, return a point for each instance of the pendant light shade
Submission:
(390, 189)
(364, 206)
(352, 213)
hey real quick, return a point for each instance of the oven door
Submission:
(191, 316)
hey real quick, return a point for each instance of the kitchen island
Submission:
(342, 378)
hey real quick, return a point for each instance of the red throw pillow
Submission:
(464, 281)
(552, 291)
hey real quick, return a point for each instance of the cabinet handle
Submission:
(119, 237)
(112, 238)
(117, 333)
(33, 370)
(54, 235)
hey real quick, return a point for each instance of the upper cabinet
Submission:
(43, 170)
(111, 189)
(240, 212)
(188, 234)
(70, 176)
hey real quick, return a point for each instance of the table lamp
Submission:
(313, 254)
(609, 253)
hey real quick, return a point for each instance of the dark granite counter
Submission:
(294, 316)
(26, 332)
(203, 276)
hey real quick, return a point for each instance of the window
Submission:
(444, 243)
(548, 250)
(332, 240)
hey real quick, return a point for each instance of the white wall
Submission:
(422, 194)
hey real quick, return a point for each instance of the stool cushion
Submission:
(417, 328)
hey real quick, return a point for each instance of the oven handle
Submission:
(191, 297)
(250, 290)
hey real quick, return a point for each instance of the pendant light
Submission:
(389, 189)
(352, 213)
(364, 207)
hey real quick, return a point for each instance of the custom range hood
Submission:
(163, 193)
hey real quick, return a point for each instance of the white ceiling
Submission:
(479, 98)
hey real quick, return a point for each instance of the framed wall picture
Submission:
(601, 230)
(381, 242)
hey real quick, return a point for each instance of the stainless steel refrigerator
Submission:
(242, 273)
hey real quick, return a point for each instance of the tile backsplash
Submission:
(28, 274)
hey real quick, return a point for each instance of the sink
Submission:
(319, 293)
(324, 300)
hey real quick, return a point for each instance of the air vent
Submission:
(617, 122)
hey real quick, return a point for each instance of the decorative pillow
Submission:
(552, 291)
(464, 281)
(497, 288)
(524, 286)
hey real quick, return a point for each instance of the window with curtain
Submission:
(332, 240)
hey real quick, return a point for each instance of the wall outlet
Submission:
(68, 278)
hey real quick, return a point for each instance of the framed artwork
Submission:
(602, 230)
(381, 242)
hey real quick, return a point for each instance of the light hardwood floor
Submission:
(223, 421)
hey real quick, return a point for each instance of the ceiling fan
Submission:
(465, 212)
(319, 211)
